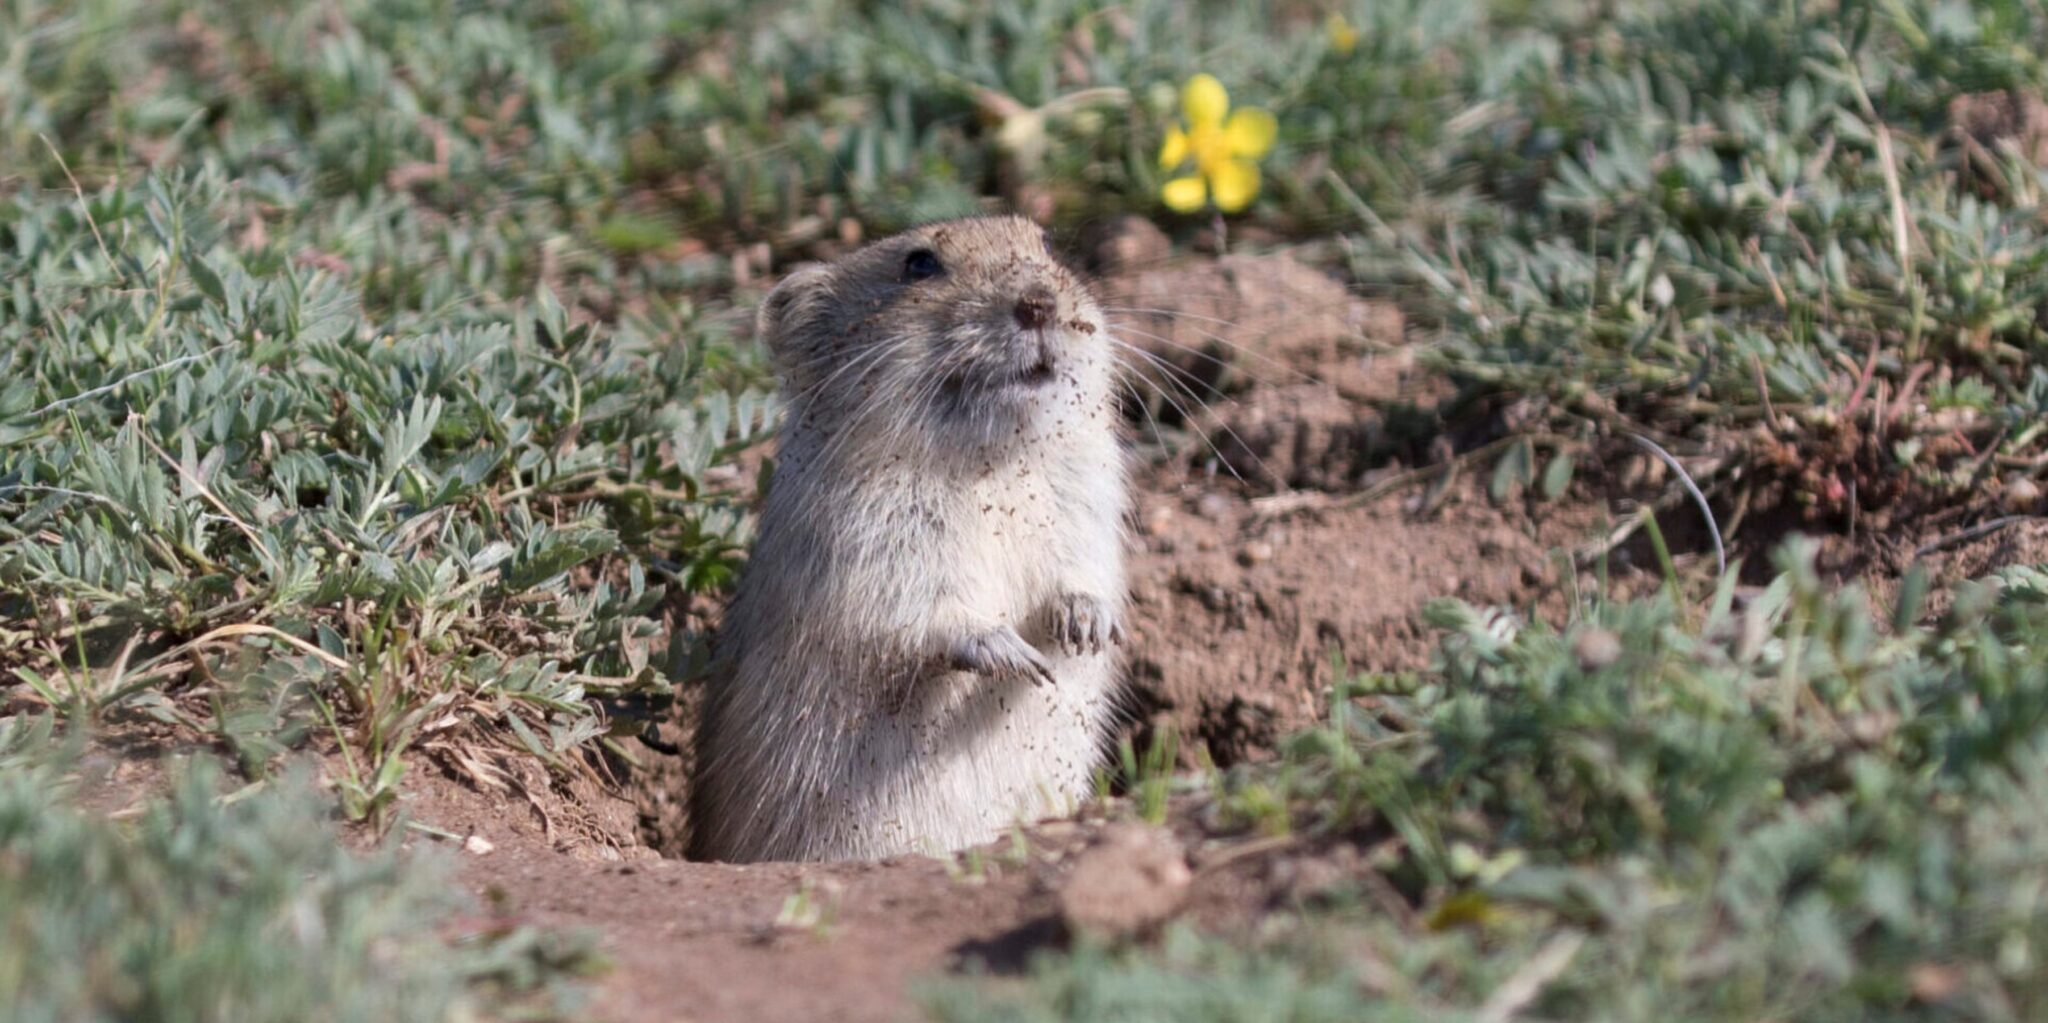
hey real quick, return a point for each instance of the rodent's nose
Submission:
(1035, 309)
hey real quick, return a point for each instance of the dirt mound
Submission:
(856, 941)
(1281, 370)
(1247, 591)
(716, 941)
(1240, 618)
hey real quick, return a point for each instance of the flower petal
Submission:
(1343, 37)
(1175, 151)
(1204, 101)
(1251, 132)
(1234, 183)
(1184, 195)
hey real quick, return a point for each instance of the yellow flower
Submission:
(1343, 38)
(1224, 150)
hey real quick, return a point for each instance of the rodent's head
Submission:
(968, 331)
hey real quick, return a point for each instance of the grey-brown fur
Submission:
(922, 649)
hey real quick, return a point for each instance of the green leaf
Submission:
(1511, 473)
(207, 280)
(1557, 475)
(548, 554)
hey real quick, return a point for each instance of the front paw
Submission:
(999, 652)
(1085, 624)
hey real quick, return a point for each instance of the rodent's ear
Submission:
(793, 300)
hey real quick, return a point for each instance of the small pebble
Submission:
(1596, 649)
(2022, 494)
(1158, 520)
(1133, 879)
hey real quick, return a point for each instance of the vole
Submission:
(923, 646)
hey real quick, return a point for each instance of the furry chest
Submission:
(1010, 542)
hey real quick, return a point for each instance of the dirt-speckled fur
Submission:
(922, 649)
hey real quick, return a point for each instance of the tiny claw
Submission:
(1001, 651)
(1085, 624)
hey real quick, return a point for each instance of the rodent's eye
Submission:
(922, 265)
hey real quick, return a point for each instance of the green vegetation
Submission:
(1785, 810)
(212, 905)
(1803, 238)
(1742, 225)
(281, 452)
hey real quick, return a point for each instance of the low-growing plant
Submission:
(214, 904)
(232, 494)
(1146, 779)
(1786, 811)
(1797, 241)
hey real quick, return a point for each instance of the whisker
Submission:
(1138, 398)
(867, 361)
(1181, 378)
(1180, 314)
(857, 423)
(1160, 311)
(868, 358)
(1196, 352)
(1189, 417)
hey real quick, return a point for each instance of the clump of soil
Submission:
(1134, 878)
(1256, 571)
(1282, 371)
(1240, 618)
